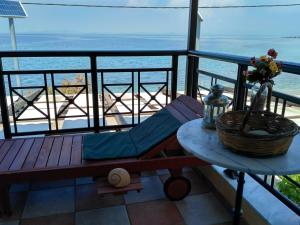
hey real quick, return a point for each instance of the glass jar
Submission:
(261, 101)
(215, 104)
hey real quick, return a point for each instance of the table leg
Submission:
(239, 199)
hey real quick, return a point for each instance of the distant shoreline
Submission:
(293, 37)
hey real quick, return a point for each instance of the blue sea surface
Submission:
(288, 49)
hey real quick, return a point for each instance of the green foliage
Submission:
(290, 190)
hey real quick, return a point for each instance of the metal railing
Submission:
(240, 101)
(95, 85)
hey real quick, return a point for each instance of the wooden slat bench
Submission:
(60, 157)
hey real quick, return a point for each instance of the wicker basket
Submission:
(257, 134)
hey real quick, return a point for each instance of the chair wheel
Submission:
(177, 188)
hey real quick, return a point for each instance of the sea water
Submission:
(288, 49)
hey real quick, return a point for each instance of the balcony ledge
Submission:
(260, 206)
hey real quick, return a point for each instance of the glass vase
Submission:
(261, 102)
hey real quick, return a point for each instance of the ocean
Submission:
(238, 45)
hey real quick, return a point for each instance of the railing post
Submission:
(3, 105)
(191, 45)
(195, 78)
(174, 77)
(189, 76)
(240, 90)
(95, 93)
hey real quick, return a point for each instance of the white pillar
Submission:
(14, 47)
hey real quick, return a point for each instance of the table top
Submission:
(205, 144)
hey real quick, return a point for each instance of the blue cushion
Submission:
(153, 131)
(109, 145)
(133, 143)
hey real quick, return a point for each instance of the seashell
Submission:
(119, 177)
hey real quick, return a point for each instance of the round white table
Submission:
(205, 144)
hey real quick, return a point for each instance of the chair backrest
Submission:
(153, 130)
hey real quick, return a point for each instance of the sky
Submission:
(283, 21)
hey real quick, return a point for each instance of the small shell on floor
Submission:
(119, 177)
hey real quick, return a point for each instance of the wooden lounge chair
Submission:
(63, 157)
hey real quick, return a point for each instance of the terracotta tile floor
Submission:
(76, 202)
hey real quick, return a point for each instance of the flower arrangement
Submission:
(265, 68)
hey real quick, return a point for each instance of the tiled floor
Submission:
(76, 202)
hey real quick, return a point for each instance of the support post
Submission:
(240, 91)
(3, 105)
(239, 199)
(195, 78)
(95, 93)
(14, 48)
(191, 45)
(174, 77)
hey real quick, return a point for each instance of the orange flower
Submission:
(263, 58)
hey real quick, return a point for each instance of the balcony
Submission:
(93, 100)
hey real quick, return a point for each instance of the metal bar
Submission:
(126, 70)
(105, 53)
(3, 105)
(167, 87)
(113, 85)
(87, 100)
(240, 89)
(174, 77)
(31, 119)
(139, 97)
(103, 99)
(272, 181)
(288, 67)
(195, 78)
(239, 199)
(219, 77)
(72, 131)
(132, 98)
(47, 101)
(192, 30)
(72, 116)
(191, 45)
(283, 107)
(292, 181)
(70, 86)
(109, 70)
(54, 101)
(152, 83)
(39, 72)
(94, 76)
(12, 104)
(189, 75)
(27, 87)
(276, 105)
(118, 113)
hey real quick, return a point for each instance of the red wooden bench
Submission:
(60, 157)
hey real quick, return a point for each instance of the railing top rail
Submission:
(107, 70)
(288, 67)
(106, 53)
